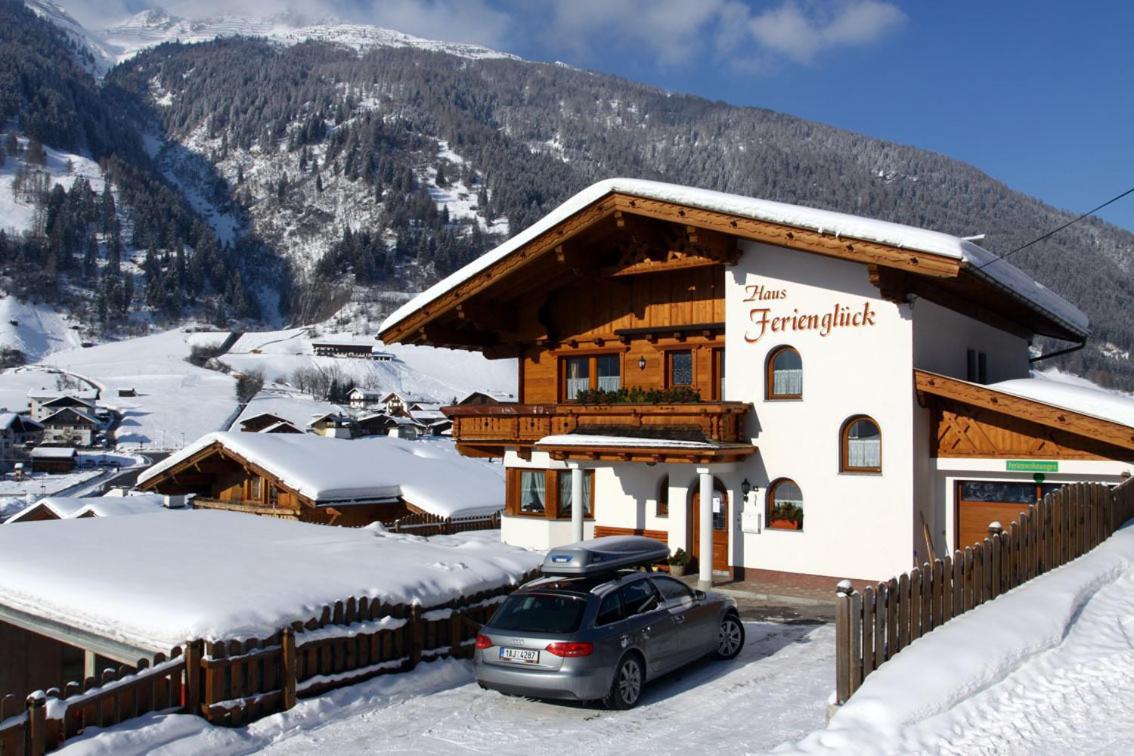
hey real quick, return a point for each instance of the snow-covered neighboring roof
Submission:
(430, 475)
(105, 576)
(1001, 273)
(86, 396)
(1097, 402)
(52, 452)
(366, 393)
(276, 427)
(68, 507)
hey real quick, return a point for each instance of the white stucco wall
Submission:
(943, 337)
(855, 525)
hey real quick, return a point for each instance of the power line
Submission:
(1053, 232)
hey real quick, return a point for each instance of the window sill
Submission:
(860, 472)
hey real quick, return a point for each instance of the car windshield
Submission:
(540, 613)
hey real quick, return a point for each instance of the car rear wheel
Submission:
(730, 637)
(626, 687)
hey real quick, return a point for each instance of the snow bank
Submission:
(825, 221)
(963, 672)
(429, 474)
(154, 581)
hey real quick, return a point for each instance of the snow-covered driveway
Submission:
(775, 691)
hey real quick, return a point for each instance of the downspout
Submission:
(1068, 350)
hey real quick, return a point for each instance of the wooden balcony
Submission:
(488, 430)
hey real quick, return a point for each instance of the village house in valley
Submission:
(331, 481)
(774, 388)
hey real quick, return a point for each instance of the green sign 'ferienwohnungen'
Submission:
(1031, 465)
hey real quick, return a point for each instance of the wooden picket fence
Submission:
(874, 625)
(236, 682)
(425, 524)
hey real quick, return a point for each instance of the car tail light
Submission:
(570, 648)
(483, 642)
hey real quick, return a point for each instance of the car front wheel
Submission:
(730, 637)
(626, 687)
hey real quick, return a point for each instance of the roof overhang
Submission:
(462, 311)
(643, 450)
(110, 648)
(1031, 410)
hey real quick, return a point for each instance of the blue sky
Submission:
(1037, 94)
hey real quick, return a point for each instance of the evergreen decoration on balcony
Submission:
(639, 395)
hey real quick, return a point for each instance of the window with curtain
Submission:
(785, 505)
(785, 374)
(577, 373)
(681, 368)
(862, 445)
(565, 493)
(533, 494)
(608, 370)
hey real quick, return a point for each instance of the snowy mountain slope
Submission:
(150, 28)
(17, 209)
(442, 374)
(35, 330)
(89, 50)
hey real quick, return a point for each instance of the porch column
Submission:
(90, 664)
(577, 504)
(705, 527)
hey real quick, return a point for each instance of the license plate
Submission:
(519, 655)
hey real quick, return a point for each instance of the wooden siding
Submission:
(961, 430)
(610, 530)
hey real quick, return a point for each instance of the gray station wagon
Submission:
(599, 632)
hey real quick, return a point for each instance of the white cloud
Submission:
(802, 32)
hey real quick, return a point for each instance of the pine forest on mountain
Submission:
(327, 166)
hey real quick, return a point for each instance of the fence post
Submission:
(843, 659)
(192, 691)
(416, 635)
(288, 661)
(36, 738)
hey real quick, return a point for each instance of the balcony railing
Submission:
(522, 425)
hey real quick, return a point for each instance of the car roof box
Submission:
(600, 555)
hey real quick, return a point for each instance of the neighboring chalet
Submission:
(325, 480)
(16, 432)
(257, 423)
(53, 459)
(349, 348)
(771, 387)
(70, 507)
(283, 426)
(71, 426)
(480, 398)
(332, 425)
(396, 403)
(44, 403)
(362, 398)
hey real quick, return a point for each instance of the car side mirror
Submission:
(698, 595)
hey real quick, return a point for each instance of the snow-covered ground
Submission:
(176, 402)
(17, 213)
(443, 374)
(775, 690)
(36, 330)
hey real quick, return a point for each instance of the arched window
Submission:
(785, 505)
(861, 446)
(784, 378)
(663, 497)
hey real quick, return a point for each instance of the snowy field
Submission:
(439, 373)
(176, 402)
(34, 329)
(776, 690)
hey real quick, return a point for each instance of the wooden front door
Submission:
(720, 526)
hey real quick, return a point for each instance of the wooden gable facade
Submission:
(969, 420)
(223, 479)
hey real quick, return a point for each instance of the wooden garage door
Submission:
(982, 502)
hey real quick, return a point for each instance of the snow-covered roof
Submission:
(104, 575)
(430, 475)
(1086, 400)
(68, 507)
(366, 393)
(86, 396)
(84, 416)
(276, 427)
(52, 452)
(1001, 273)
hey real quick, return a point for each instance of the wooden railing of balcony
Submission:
(489, 429)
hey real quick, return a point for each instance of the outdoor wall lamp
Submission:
(641, 363)
(745, 488)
